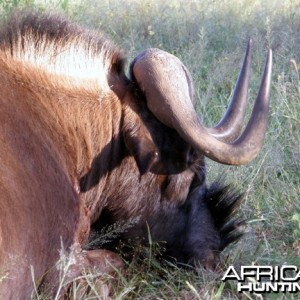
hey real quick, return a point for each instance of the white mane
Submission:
(75, 58)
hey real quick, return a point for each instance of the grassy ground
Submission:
(210, 38)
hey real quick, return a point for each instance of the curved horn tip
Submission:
(270, 60)
(250, 43)
(229, 127)
(266, 81)
(249, 47)
(270, 54)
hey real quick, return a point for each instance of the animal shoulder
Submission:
(70, 54)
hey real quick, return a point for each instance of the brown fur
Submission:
(74, 146)
(48, 141)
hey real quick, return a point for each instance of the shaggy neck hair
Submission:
(71, 55)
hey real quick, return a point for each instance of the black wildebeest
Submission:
(80, 140)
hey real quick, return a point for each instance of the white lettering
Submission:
(228, 276)
(296, 288)
(248, 271)
(284, 269)
(270, 286)
(275, 279)
(265, 271)
(244, 287)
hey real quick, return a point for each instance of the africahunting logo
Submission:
(265, 279)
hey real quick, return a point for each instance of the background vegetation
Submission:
(210, 36)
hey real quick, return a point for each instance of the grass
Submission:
(210, 38)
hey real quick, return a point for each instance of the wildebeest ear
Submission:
(138, 139)
(144, 152)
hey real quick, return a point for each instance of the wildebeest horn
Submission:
(229, 128)
(168, 88)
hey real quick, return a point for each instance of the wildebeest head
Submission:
(169, 93)
(201, 224)
(191, 233)
(211, 224)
